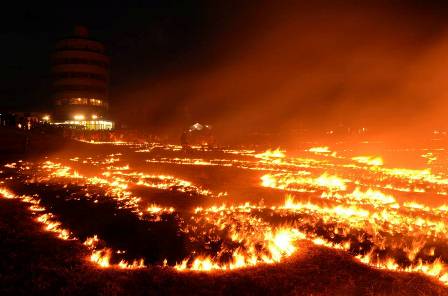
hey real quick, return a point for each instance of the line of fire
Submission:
(225, 149)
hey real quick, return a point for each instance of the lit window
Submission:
(96, 102)
(79, 117)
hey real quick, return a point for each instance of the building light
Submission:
(89, 124)
(94, 116)
(78, 117)
(46, 118)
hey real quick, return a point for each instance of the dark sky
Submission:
(143, 39)
(265, 64)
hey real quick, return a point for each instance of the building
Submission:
(80, 70)
(24, 120)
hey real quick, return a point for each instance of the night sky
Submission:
(257, 64)
(142, 39)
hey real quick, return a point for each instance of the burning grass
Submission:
(33, 260)
(157, 208)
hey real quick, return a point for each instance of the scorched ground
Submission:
(122, 218)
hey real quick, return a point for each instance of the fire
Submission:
(279, 244)
(51, 224)
(47, 219)
(136, 264)
(10, 165)
(354, 204)
(101, 257)
(430, 157)
(92, 241)
(282, 243)
(331, 182)
(320, 150)
(155, 209)
(270, 154)
(298, 183)
(370, 196)
(6, 193)
(369, 160)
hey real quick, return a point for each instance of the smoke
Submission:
(294, 66)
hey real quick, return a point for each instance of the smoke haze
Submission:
(308, 66)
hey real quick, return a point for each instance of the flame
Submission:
(101, 257)
(269, 154)
(354, 204)
(298, 183)
(369, 160)
(155, 209)
(320, 150)
(281, 243)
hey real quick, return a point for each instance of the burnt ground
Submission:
(36, 263)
